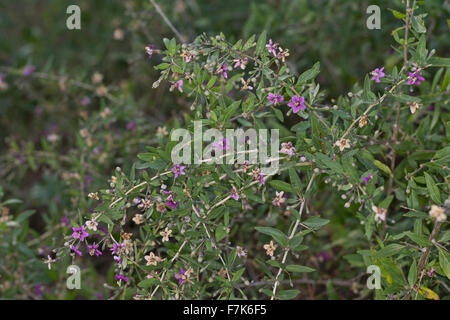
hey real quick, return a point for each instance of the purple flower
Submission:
(287, 148)
(377, 74)
(116, 248)
(170, 201)
(179, 85)
(323, 256)
(297, 103)
(103, 229)
(222, 69)
(222, 145)
(85, 101)
(121, 277)
(275, 99)
(149, 50)
(234, 194)
(178, 170)
(117, 259)
(172, 204)
(181, 276)
(78, 252)
(131, 125)
(28, 70)
(65, 221)
(87, 180)
(93, 250)
(415, 78)
(272, 47)
(240, 62)
(38, 289)
(261, 178)
(79, 233)
(367, 179)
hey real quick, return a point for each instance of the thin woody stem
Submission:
(294, 230)
(167, 21)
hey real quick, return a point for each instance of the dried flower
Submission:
(94, 195)
(49, 262)
(246, 84)
(97, 77)
(342, 144)
(380, 213)
(270, 248)
(363, 121)
(166, 234)
(279, 199)
(413, 106)
(139, 218)
(282, 54)
(152, 259)
(438, 213)
(92, 224)
(241, 252)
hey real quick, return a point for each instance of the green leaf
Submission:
(24, 215)
(433, 189)
(220, 232)
(384, 168)
(332, 164)
(389, 250)
(421, 240)
(398, 14)
(261, 44)
(277, 235)
(315, 222)
(288, 294)
(281, 185)
(296, 268)
(309, 74)
(418, 24)
(440, 62)
(367, 92)
(444, 263)
(295, 180)
(147, 283)
(238, 274)
(249, 43)
(412, 274)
